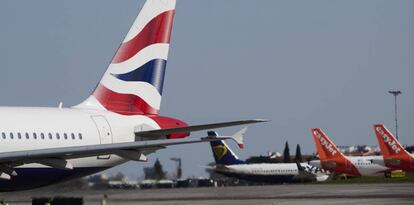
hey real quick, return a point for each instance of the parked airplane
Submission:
(333, 160)
(394, 154)
(228, 164)
(120, 121)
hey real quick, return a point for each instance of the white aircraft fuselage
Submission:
(273, 172)
(33, 128)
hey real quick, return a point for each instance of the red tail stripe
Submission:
(158, 30)
(124, 104)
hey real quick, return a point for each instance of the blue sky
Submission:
(301, 64)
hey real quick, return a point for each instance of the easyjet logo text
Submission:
(388, 141)
(328, 146)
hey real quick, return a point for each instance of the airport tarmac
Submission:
(402, 193)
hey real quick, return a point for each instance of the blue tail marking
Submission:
(151, 72)
(222, 153)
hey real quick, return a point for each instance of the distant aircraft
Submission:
(333, 160)
(120, 121)
(228, 164)
(394, 155)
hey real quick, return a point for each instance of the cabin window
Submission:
(42, 135)
(34, 135)
(73, 136)
(19, 135)
(80, 136)
(3, 135)
(57, 136)
(27, 135)
(50, 136)
(11, 135)
(65, 136)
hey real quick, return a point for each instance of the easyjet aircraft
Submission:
(120, 121)
(395, 156)
(333, 160)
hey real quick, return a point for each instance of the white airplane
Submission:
(333, 160)
(120, 121)
(228, 164)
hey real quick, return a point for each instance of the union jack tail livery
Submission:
(133, 82)
(331, 157)
(394, 154)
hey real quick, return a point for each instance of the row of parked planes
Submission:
(331, 161)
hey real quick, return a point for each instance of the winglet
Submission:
(238, 137)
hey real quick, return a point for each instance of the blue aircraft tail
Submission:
(222, 153)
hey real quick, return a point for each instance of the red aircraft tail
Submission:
(395, 156)
(331, 157)
(389, 145)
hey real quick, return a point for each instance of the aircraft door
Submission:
(105, 133)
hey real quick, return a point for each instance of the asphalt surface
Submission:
(278, 194)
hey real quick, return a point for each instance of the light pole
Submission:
(179, 169)
(395, 93)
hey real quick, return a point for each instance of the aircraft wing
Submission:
(194, 128)
(101, 149)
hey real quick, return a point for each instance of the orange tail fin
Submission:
(389, 145)
(331, 157)
(326, 148)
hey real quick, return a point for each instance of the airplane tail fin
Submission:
(390, 147)
(331, 158)
(222, 153)
(133, 82)
(326, 148)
